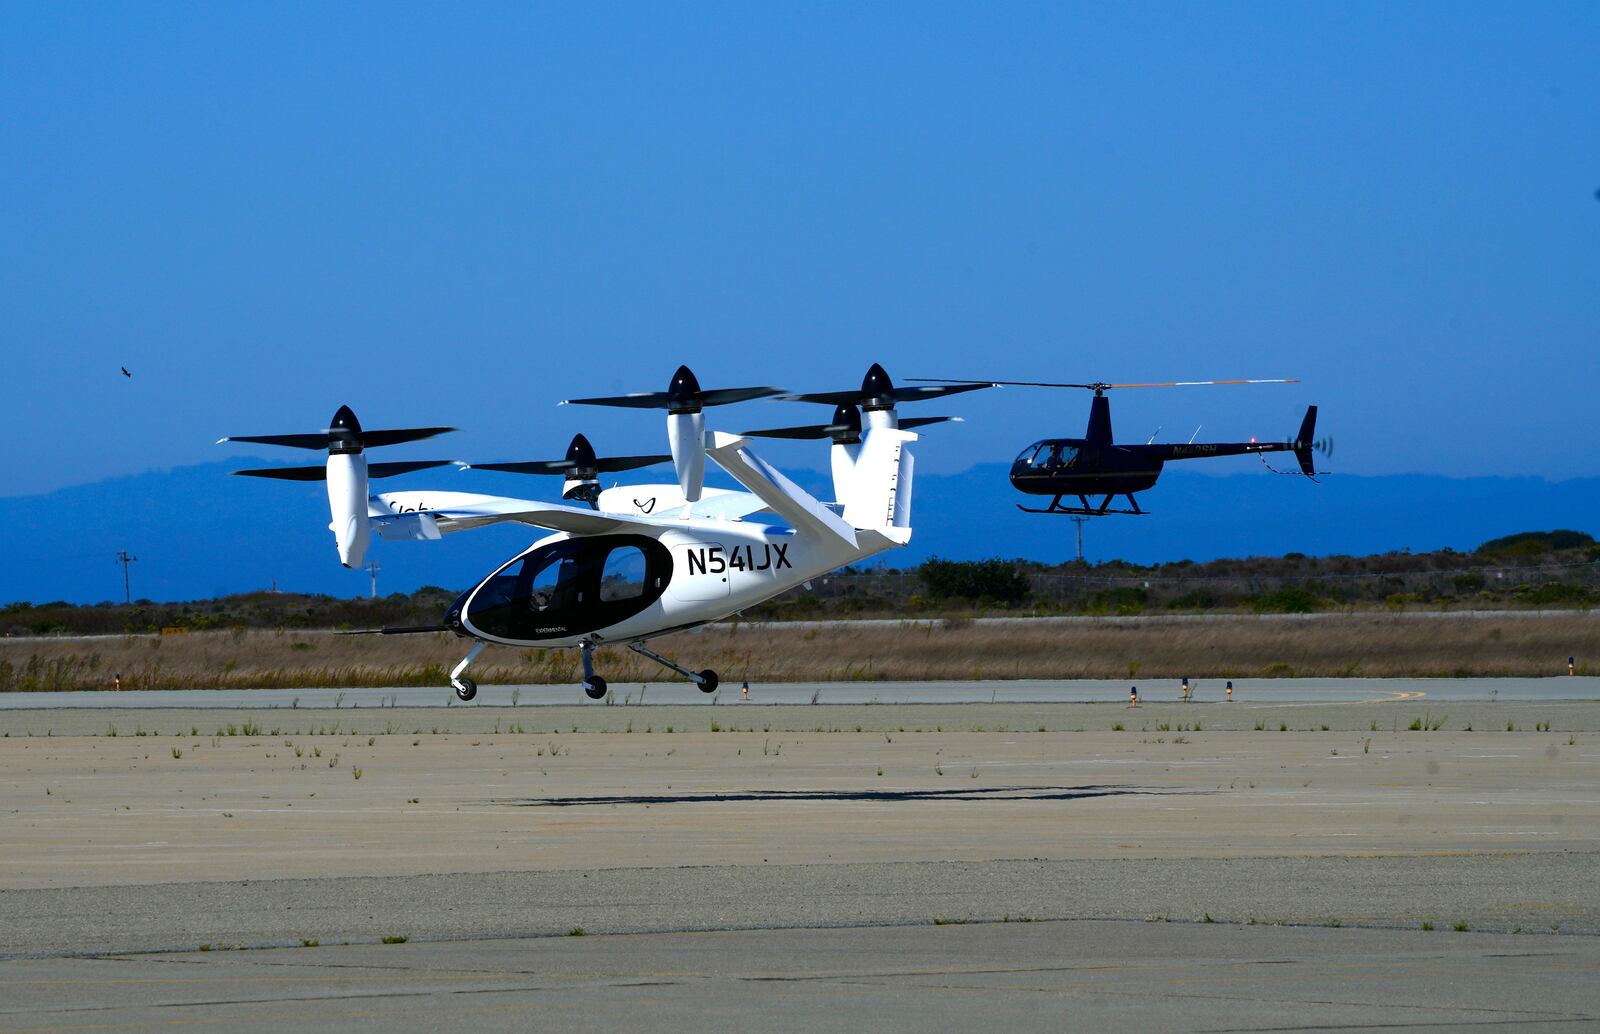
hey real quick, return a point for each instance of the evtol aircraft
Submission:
(630, 563)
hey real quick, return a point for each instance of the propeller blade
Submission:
(602, 465)
(389, 470)
(826, 398)
(924, 421)
(372, 439)
(526, 467)
(728, 396)
(638, 400)
(661, 399)
(292, 441)
(615, 464)
(285, 473)
(933, 391)
(805, 433)
(344, 434)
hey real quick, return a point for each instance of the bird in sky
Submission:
(125, 372)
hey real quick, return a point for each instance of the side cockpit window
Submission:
(624, 574)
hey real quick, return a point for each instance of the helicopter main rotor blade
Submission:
(1187, 384)
(1101, 386)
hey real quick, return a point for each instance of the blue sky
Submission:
(463, 214)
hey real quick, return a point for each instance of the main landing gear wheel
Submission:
(595, 688)
(708, 681)
(465, 689)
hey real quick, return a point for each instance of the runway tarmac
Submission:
(845, 865)
(1561, 688)
(1154, 977)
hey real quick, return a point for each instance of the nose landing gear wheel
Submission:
(708, 681)
(595, 688)
(465, 689)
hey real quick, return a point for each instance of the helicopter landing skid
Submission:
(1085, 510)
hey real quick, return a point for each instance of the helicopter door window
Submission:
(624, 575)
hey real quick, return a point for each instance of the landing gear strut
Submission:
(706, 680)
(465, 688)
(594, 687)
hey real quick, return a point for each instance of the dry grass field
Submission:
(1221, 647)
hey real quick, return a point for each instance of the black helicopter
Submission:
(1095, 465)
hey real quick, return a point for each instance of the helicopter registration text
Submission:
(717, 559)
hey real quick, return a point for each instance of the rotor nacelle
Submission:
(345, 473)
(685, 401)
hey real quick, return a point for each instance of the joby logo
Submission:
(647, 505)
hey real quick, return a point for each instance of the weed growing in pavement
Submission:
(395, 938)
(177, 755)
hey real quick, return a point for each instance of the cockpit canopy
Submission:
(569, 588)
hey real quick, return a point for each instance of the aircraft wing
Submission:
(427, 515)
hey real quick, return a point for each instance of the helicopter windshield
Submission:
(1048, 455)
(1028, 456)
(571, 587)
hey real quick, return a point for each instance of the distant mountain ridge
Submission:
(199, 533)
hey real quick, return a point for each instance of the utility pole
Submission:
(1080, 521)
(373, 569)
(124, 559)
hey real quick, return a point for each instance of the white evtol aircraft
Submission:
(639, 561)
